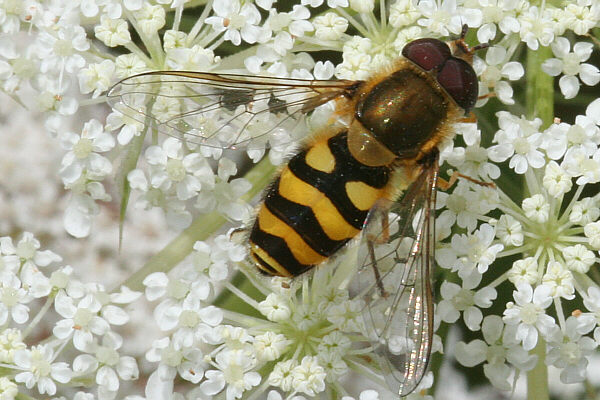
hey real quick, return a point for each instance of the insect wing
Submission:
(223, 110)
(395, 282)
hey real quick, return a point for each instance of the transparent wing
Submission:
(222, 110)
(395, 281)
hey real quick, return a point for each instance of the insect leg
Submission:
(445, 185)
(378, 281)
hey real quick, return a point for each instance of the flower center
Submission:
(23, 67)
(280, 21)
(491, 75)
(576, 134)
(82, 317)
(175, 169)
(188, 319)
(177, 289)
(570, 352)
(529, 313)
(107, 356)
(495, 354)
(463, 300)
(571, 64)
(63, 48)
(83, 148)
(492, 13)
(170, 356)
(456, 204)
(25, 250)
(235, 21)
(521, 145)
(39, 365)
(234, 374)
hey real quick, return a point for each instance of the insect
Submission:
(344, 180)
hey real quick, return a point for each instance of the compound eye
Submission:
(458, 78)
(427, 53)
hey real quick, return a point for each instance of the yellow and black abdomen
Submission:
(318, 203)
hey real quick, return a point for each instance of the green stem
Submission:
(537, 378)
(200, 229)
(540, 104)
(540, 87)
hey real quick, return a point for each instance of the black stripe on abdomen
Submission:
(303, 220)
(278, 249)
(333, 184)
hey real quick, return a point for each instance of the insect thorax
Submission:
(403, 111)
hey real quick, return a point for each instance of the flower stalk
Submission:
(539, 100)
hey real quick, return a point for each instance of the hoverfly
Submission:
(344, 180)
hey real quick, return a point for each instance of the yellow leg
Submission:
(445, 185)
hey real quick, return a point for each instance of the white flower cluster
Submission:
(304, 343)
(294, 339)
(556, 236)
(83, 346)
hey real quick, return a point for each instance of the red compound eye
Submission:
(458, 78)
(427, 53)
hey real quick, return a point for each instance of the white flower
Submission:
(329, 26)
(578, 258)
(571, 64)
(112, 32)
(187, 361)
(496, 351)
(26, 252)
(150, 18)
(509, 230)
(578, 164)
(38, 368)
(465, 300)
(592, 232)
(237, 21)
(584, 211)
(496, 68)
(591, 320)
(281, 376)
(464, 205)
(224, 195)
(500, 13)
(517, 141)
(559, 280)
(445, 17)
(80, 320)
(61, 50)
(82, 158)
(11, 340)
(471, 253)
(536, 208)
(8, 389)
(536, 27)
(270, 346)
(308, 377)
(524, 271)
(112, 365)
(556, 181)
(275, 308)
(529, 315)
(581, 16)
(171, 168)
(96, 77)
(403, 12)
(234, 371)
(193, 320)
(570, 351)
